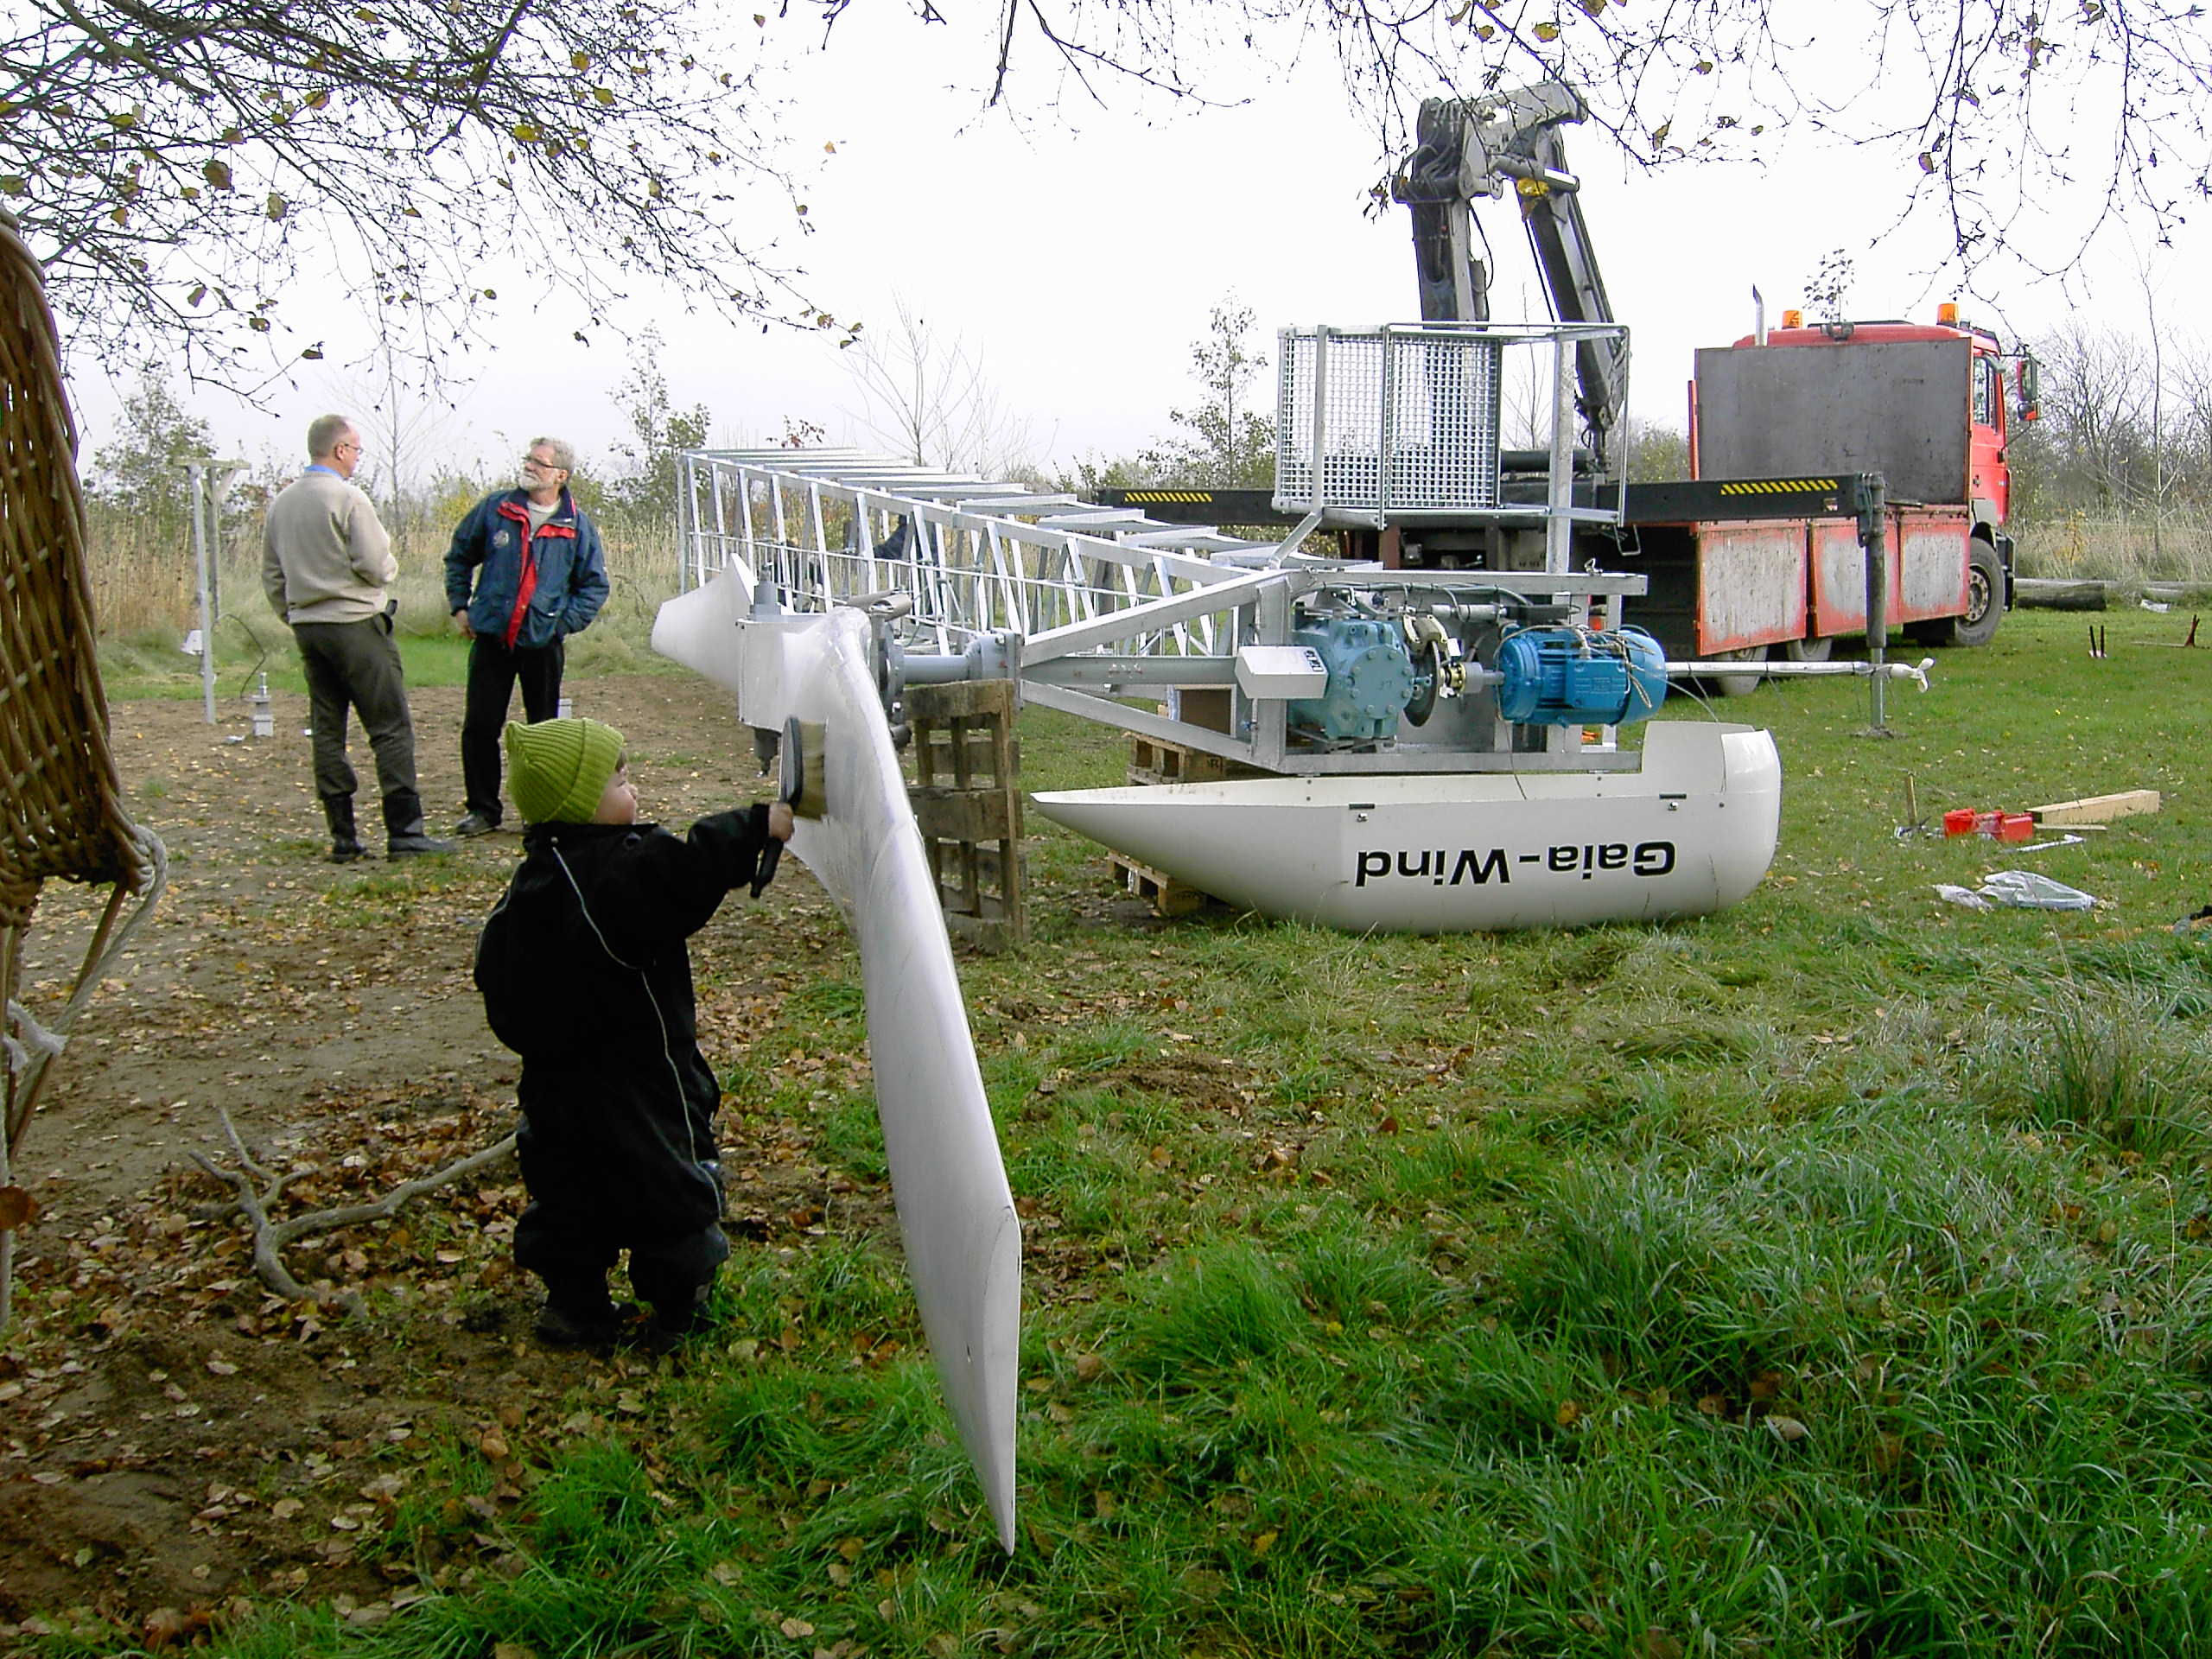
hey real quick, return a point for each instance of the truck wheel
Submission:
(1739, 685)
(1985, 597)
(1808, 651)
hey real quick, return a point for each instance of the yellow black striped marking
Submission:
(1778, 486)
(1132, 497)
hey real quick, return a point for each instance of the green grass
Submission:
(1827, 1277)
(150, 666)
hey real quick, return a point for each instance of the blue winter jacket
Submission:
(532, 590)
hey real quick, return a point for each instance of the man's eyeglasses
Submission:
(537, 465)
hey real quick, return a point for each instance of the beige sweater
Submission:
(324, 556)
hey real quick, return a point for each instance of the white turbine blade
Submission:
(956, 1212)
(699, 629)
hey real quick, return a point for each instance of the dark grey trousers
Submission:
(356, 665)
(493, 671)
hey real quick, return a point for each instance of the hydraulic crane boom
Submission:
(1471, 147)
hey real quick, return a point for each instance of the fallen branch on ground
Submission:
(273, 1238)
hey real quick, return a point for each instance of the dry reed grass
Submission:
(143, 587)
(2124, 549)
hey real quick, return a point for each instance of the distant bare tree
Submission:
(2097, 404)
(2190, 429)
(405, 424)
(924, 393)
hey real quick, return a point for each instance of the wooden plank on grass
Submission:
(2098, 809)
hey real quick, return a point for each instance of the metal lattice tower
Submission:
(975, 556)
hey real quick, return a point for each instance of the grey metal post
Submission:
(1270, 725)
(1559, 529)
(196, 474)
(1873, 538)
(1390, 422)
(213, 507)
(687, 512)
(722, 520)
(1321, 411)
(221, 477)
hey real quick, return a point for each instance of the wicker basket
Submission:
(61, 810)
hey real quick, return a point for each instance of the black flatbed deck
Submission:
(1686, 501)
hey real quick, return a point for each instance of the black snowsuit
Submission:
(586, 974)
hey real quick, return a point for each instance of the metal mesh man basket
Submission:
(1407, 416)
(61, 811)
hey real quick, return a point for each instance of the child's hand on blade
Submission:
(779, 820)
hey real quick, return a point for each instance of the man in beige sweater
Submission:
(325, 563)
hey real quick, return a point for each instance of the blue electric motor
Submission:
(1566, 677)
(1370, 679)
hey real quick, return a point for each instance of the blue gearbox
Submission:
(1576, 676)
(1371, 679)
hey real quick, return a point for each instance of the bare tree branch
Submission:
(175, 162)
(271, 1238)
(1984, 113)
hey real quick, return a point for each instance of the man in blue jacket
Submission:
(539, 577)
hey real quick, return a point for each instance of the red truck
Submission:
(1926, 405)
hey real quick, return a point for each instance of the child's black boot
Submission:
(582, 1317)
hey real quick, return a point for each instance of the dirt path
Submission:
(171, 1438)
(269, 974)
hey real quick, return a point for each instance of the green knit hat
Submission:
(558, 769)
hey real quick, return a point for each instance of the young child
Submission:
(586, 974)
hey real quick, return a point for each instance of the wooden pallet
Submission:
(1167, 896)
(966, 794)
(1154, 761)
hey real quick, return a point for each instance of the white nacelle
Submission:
(1692, 832)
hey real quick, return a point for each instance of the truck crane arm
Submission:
(1474, 147)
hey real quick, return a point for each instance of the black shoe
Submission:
(656, 1338)
(597, 1333)
(414, 846)
(474, 825)
(345, 839)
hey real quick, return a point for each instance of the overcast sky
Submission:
(1079, 264)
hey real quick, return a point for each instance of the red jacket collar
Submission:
(563, 522)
